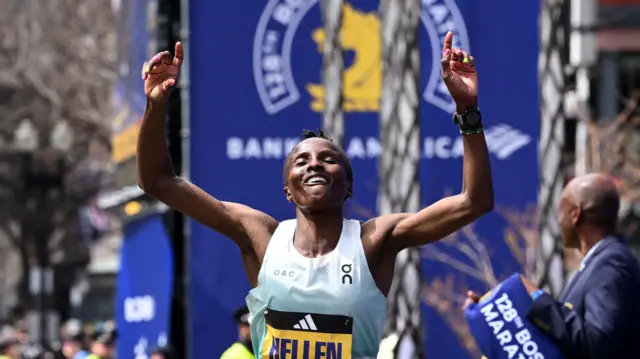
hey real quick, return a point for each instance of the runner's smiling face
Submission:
(317, 176)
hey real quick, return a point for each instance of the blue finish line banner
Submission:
(255, 77)
(145, 285)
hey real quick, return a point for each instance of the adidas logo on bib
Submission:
(306, 323)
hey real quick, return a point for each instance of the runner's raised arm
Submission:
(404, 230)
(248, 228)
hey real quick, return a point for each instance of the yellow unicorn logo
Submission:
(362, 82)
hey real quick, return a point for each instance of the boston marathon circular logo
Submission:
(360, 35)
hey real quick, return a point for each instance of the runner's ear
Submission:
(287, 194)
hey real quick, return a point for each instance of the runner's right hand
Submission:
(160, 74)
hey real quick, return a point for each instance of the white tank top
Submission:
(328, 306)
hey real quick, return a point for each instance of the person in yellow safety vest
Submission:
(9, 348)
(242, 348)
(103, 346)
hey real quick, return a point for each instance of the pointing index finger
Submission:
(179, 56)
(448, 41)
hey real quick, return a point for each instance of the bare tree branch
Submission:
(57, 62)
(614, 148)
(445, 298)
(465, 253)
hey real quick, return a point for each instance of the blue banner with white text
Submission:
(255, 83)
(145, 285)
(501, 328)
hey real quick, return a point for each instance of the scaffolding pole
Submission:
(333, 70)
(582, 56)
(400, 162)
(554, 20)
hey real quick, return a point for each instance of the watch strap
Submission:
(458, 118)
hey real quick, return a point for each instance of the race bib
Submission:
(293, 335)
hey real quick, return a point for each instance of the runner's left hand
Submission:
(460, 75)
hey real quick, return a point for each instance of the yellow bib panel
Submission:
(292, 335)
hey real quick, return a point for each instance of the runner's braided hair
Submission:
(307, 134)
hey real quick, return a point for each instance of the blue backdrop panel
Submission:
(255, 74)
(145, 284)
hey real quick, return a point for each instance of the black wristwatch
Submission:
(471, 118)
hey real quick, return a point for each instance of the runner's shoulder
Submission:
(250, 216)
(257, 225)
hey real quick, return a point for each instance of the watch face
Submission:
(472, 118)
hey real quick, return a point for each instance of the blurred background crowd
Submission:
(73, 223)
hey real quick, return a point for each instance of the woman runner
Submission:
(319, 281)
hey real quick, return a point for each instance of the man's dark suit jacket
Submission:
(598, 313)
